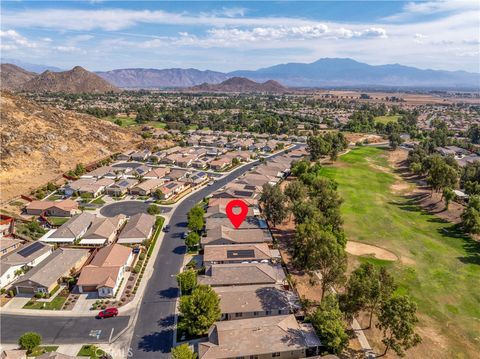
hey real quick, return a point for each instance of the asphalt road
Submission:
(128, 208)
(61, 330)
(154, 329)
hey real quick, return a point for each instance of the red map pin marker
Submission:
(236, 218)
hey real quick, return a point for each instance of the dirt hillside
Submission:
(13, 77)
(39, 143)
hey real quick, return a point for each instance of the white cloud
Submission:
(414, 9)
(12, 39)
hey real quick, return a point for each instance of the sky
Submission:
(233, 35)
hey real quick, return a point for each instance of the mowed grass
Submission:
(438, 267)
(387, 119)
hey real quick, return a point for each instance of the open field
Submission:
(437, 266)
(387, 119)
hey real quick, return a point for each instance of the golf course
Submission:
(438, 266)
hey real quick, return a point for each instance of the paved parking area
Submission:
(128, 208)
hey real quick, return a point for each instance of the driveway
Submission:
(128, 208)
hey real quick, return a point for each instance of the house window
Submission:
(238, 314)
(277, 354)
(255, 313)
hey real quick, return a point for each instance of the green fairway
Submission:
(387, 119)
(438, 267)
(126, 121)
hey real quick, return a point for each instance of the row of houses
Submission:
(246, 135)
(244, 269)
(90, 230)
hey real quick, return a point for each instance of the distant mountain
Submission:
(30, 67)
(153, 78)
(76, 80)
(240, 84)
(12, 77)
(331, 72)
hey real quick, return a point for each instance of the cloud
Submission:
(413, 10)
(12, 39)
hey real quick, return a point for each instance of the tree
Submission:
(187, 281)
(118, 122)
(397, 319)
(329, 325)
(299, 167)
(471, 215)
(192, 240)
(441, 174)
(295, 191)
(395, 140)
(183, 352)
(153, 209)
(235, 161)
(195, 218)
(448, 196)
(199, 310)
(474, 133)
(316, 249)
(367, 287)
(274, 204)
(29, 341)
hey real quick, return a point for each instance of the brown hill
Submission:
(76, 80)
(39, 143)
(13, 77)
(241, 84)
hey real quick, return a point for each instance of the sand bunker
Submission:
(362, 249)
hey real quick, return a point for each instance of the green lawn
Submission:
(58, 221)
(55, 304)
(126, 121)
(386, 119)
(156, 124)
(42, 350)
(98, 200)
(440, 268)
(91, 351)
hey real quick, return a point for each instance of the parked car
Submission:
(108, 313)
(166, 228)
(136, 250)
(184, 235)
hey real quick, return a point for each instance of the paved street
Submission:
(61, 330)
(153, 333)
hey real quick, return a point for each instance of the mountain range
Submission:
(76, 80)
(326, 72)
(240, 84)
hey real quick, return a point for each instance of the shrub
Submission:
(29, 341)
(142, 256)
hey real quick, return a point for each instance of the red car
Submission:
(107, 313)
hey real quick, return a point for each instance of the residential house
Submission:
(104, 171)
(121, 187)
(139, 171)
(71, 230)
(14, 354)
(219, 211)
(278, 336)
(88, 185)
(140, 155)
(105, 272)
(157, 172)
(220, 163)
(258, 180)
(7, 226)
(8, 245)
(125, 156)
(218, 275)
(169, 189)
(223, 235)
(236, 253)
(177, 174)
(197, 178)
(157, 156)
(103, 230)
(249, 223)
(185, 160)
(24, 257)
(147, 187)
(249, 301)
(224, 201)
(47, 275)
(138, 229)
(65, 208)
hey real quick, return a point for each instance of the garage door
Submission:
(89, 288)
(25, 290)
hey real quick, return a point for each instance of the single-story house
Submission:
(138, 229)
(249, 301)
(222, 235)
(48, 274)
(169, 189)
(139, 171)
(106, 270)
(220, 163)
(157, 172)
(71, 230)
(219, 211)
(121, 187)
(279, 336)
(197, 177)
(185, 160)
(224, 201)
(177, 174)
(26, 256)
(248, 223)
(8, 245)
(236, 253)
(104, 171)
(65, 208)
(125, 156)
(218, 275)
(145, 188)
(103, 230)
(140, 155)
